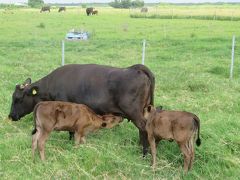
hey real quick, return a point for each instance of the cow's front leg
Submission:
(71, 135)
(144, 141)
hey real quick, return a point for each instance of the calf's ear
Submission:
(104, 124)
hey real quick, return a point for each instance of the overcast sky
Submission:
(98, 1)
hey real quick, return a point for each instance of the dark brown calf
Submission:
(64, 116)
(173, 125)
(95, 12)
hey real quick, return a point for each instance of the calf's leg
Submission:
(191, 148)
(34, 142)
(187, 155)
(78, 137)
(41, 144)
(152, 143)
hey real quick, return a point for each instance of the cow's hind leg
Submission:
(140, 122)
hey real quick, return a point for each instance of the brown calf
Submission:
(95, 12)
(65, 116)
(173, 125)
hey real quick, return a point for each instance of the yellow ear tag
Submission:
(34, 92)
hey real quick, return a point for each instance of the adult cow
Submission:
(62, 9)
(45, 8)
(89, 11)
(120, 91)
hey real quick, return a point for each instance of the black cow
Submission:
(121, 91)
(45, 8)
(89, 11)
(61, 9)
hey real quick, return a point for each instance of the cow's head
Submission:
(23, 100)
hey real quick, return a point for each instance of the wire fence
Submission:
(155, 53)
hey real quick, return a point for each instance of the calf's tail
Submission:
(197, 123)
(35, 118)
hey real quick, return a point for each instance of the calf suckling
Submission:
(65, 116)
(173, 125)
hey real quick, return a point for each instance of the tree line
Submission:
(126, 4)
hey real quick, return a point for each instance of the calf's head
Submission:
(149, 112)
(109, 120)
(23, 100)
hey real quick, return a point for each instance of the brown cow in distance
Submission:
(173, 125)
(45, 8)
(65, 116)
(95, 12)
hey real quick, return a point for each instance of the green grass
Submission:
(209, 17)
(190, 59)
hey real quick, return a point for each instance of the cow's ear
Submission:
(104, 124)
(33, 91)
(149, 108)
(27, 81)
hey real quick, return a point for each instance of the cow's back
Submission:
(99, 87)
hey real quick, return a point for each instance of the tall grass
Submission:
(203, 17)
(202, 12)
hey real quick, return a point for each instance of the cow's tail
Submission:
(151, 77)
(197, 124)
(35, 118)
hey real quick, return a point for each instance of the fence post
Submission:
(143, 51)
(232, 60)
(62, 52)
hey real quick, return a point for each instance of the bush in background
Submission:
(35, 3)
(126, 4)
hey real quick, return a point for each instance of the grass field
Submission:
(190, 59)
(203, 11)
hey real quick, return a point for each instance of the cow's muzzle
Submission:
(13, 117)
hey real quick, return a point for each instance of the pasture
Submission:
(190, 59)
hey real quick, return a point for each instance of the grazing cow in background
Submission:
(95, 12)
(119, 91)
(62, 9)
(173, 125)
(65, 116)
(144, 10)
(45, 8)
(89, 11)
